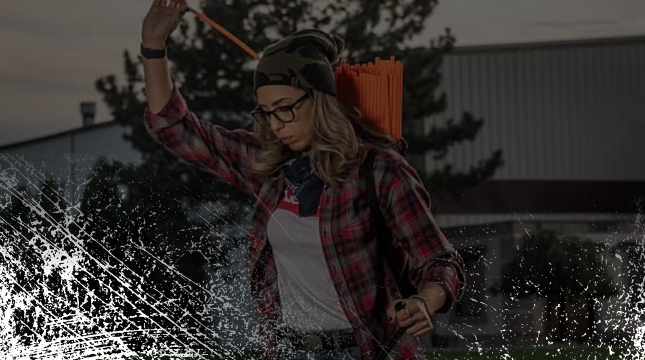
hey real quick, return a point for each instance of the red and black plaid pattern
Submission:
(360, 275)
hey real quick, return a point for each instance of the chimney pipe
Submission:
(88, 111)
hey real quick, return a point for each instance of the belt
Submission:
(320, 341)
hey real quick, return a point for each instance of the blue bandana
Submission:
(306, 186)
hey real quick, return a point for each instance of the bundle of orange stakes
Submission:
(375, 88)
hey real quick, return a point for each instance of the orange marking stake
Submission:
(376, 89)
(227, 34)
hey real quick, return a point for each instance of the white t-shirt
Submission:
(307, 295)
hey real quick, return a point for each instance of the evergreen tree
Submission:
(101, 209)
(139, 232)
(20, 258)
(34, 238)
(51, 200)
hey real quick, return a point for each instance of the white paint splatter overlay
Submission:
(72, 290)
(81, 281)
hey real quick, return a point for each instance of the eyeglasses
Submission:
(284, 114)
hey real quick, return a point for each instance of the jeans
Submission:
(290, 353)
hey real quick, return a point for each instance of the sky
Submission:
(52, 52)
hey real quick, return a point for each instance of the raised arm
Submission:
(227, 154)
(161, 20)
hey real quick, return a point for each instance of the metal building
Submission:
(570, 120)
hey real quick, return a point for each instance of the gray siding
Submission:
(69, 157)
(570, 111)
(460, 220)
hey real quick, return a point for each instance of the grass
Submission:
(586, 353)
(582, 353)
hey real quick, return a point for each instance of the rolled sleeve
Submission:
(445, 272)
(228, 154)
(406, 206)
(172, 113)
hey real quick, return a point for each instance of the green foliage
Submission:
(137, 225)
(52, 202)
(17, 215)
(559, 269)
(566, 353)
(548, 265)
(101, 209)
(32, 225)
(119, 262)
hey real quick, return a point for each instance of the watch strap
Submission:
(149, 53)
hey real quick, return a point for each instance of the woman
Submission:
(317, 275)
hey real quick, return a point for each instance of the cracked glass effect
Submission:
(89, 273)
(87, 284)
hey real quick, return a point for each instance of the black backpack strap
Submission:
(383, 233)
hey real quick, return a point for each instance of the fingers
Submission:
(396, 310)
(411, 317)
(416, 325)
(177, 3)
(420, 328)
(178, 13)
(182, 8)
(179, 7)
(390, 313)
(169, 3)
(410, 309)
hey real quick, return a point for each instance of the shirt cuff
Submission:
(174, 110)
(447, 277)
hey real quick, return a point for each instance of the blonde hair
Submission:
(338, 134)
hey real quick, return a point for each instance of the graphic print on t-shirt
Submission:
(290, 203)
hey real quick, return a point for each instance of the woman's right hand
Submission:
(161, 20)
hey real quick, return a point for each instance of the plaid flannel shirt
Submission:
(357, 268)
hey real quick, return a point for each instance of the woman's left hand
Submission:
(416, 316)
(413, 317)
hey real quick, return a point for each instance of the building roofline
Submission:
(543, 45)
(458, 50)
(57, 135)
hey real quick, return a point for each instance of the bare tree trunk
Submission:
(591, 329)
(548, 325)
(562, 318)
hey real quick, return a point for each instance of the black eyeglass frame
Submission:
(262, 117)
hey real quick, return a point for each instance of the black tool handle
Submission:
(390, 344)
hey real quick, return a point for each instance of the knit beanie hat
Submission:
(303, 59)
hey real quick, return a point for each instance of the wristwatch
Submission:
(149, 53)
